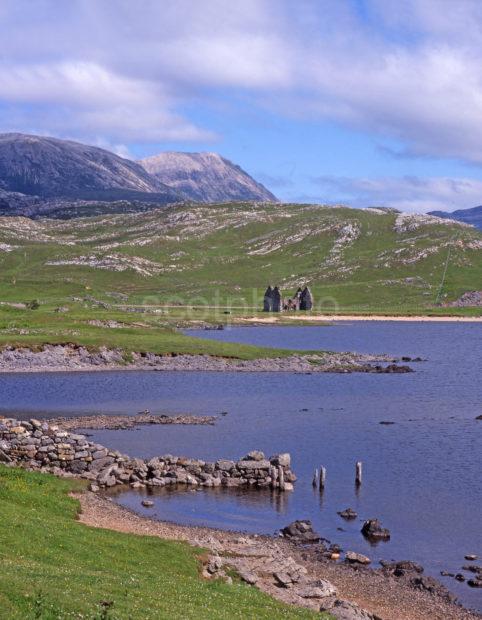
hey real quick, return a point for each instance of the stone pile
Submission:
(39, 445)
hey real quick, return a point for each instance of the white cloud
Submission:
(408, 193)
(408, 70)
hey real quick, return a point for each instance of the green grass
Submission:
(225, 255)
(141, 333)
(54, 568)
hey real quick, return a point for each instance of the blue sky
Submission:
(365, 102)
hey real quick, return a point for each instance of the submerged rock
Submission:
(373, 530)
(348, 514)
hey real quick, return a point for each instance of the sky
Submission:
(361, 102)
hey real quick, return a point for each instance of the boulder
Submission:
(301, 531)
(225, 465)
(283, 579)
(401, 568)
(356, 558)
(317, 589)
(252, 465)
(254, 455)
(475, 582)
(373, 530)
(248, 577)
(283, 459)
(343, 610)
(147, 503)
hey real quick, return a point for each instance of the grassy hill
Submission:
(353, 260)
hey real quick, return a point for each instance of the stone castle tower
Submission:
(273, 301)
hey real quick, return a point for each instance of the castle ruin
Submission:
(274, 302)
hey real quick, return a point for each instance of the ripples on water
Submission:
(422, 475)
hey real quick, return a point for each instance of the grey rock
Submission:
(317, 589)
(343, 610)
(248, 576)
(301, 531)
(251, 465)
(254, 455)
(348, 514)
(356, 558)
(283, 459)
(373, 530)
(225, 465)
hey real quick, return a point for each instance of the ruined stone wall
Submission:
(44, 447)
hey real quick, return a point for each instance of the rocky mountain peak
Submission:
(206, 177)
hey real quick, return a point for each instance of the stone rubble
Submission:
(41, 446)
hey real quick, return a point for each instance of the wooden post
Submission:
(274, 477)
(281, 478)
(315, 479)
(358, 473)
(322, 478)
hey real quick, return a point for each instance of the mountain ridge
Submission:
(472, 216)
(206, 177)
(52, 168)
(48, 177)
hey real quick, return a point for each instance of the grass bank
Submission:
(95, 328)
(53, 567)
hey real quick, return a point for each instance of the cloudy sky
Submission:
(367, 102)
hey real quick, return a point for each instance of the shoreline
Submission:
(254, 557)
(360, 317)
(68, 358)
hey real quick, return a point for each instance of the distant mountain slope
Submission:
(358, 259)
(206, 177)
(51, 168)
(469, 216)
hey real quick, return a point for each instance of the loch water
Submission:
(422, 474)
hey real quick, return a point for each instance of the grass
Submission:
(140, 333)
(225, 255)
(55, 568)
(211, 264)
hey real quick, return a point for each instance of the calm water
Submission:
(422, 475)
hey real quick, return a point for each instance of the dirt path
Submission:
(377, 592)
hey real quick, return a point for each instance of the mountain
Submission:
(468, 216)
(206, 177)
(50, 168)
(198, 254)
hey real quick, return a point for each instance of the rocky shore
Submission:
(299, 568)
(125, 422)
(41, 446)
(57, 358)
(297, 573)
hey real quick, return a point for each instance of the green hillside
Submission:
(53, 567)
(370, 260)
